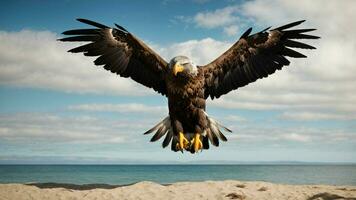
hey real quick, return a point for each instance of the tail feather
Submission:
(162, 128)
(168, 138)
(214, 131)
(173, 145)
(205, 143)
(222, 136)
(212, 138)
(160, 132)
(157, 126)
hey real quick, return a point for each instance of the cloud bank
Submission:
(320, 87)
(120, 108)
(34, 59)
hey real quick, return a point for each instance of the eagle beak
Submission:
(177, 68)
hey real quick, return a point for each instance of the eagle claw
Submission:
(183, 142)
(197, 143)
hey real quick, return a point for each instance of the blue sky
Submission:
(56, 107)
(136, 16)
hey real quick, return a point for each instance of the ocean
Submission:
(164, 174)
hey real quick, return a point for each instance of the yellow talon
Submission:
(183, 142)
(196, 142)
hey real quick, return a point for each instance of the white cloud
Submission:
(296, 137)
(219, 17)
(35, 59)
(45, 127)
(235, 118)
(231, 30)
(200, 51)
(121, 108)
(315, 116)
(229, 18)
(275, 135)
(323, 84)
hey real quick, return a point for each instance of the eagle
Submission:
(187, 86)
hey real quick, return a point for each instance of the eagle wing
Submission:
(120, 52)
(253, 57)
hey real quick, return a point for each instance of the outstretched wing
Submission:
(253, 57)
(120, 52)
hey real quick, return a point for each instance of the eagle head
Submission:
(183, 66)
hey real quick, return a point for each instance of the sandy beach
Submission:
(181, 190)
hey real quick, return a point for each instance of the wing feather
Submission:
(253, 57)
(120, 52)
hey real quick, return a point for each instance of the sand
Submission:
(182, 190)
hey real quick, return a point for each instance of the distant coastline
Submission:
(150, 162)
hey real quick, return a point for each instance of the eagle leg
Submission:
(183, 143)
(197, 143)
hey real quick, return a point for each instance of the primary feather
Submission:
(253, 57)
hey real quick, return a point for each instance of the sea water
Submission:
(127, 174)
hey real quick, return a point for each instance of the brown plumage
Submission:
(186, 85)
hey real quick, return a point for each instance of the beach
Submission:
(229, 189)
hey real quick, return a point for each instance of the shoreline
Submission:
(228, 189)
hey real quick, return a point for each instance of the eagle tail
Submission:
(162, 128)
(214, 132)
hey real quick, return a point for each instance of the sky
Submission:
(57, 107)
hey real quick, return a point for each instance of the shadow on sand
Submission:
(76, 187)
(328, 196)
(80, 187)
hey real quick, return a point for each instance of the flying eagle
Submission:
(186, 85)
